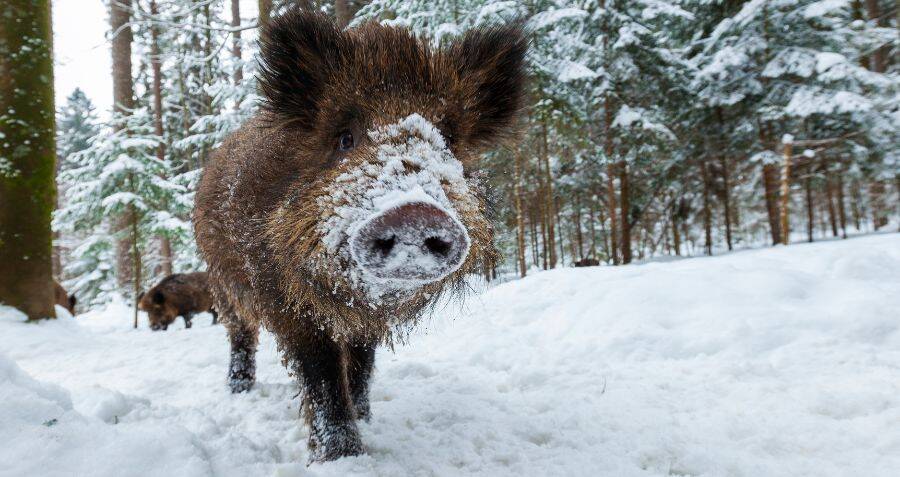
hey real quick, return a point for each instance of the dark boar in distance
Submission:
(179, 294)
(352, 201)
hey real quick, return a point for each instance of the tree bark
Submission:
(829, 197)
(770, 184)
(123, 99)
(726, 199)
(579, 239)
(625, 207)
(810, 217)
(165, 245)
(707, 209)
(27, 157)
(785, 193)
(520, 216)
(842, 210)
(549, 207)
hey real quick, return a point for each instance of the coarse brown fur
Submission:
(179, 294)
(62, 297)
(258, 214)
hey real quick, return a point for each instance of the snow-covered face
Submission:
(397, 212)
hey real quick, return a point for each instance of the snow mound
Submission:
(44, 435)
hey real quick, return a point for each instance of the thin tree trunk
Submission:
(593, 252)
(676, 237)
(520, 216)
(559, 232)
(123, 97)
(786, 193)
(607, 250)
(707, 209)
(829, 197)
(625, 207)
(579, 239)
(27, 157)
(532, 222)
(549, 207)
(165, 245)
(842, 210)
(855, 203)
(810, 218)
(726, 199)
(770, 184)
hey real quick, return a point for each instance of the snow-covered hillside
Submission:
(776, 362)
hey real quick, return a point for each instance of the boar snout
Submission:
(415, 241)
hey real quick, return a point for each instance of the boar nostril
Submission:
(384, 246)
(437, 246)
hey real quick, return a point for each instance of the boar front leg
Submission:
(187, 319)
(319, 364)
(359, 371)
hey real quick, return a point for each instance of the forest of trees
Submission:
(653, 128)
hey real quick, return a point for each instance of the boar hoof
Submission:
(240, 385)
(331, 445)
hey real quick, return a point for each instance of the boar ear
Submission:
(298, 51)
(491, 66)
(158, 298)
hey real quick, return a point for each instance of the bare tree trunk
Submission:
(842, 211)
(607, 250)
(810, 218)
(676, 237)
(559, 231)
(770, 183)
(855, 203)
(549, 207)
(165, 245)
(520, 216)
(593, 252)
(532, 222)
(829, 197)
(28, 157)
(625, 207)
(726, 199)
(123, 97)
(579, 239)
(707, 209)
(786, 193)
(876, 199)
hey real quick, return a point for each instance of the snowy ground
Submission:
(775, 362)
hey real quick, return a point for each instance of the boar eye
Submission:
(345, 141)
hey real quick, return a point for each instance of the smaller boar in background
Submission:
(179, 294)
(62, 297)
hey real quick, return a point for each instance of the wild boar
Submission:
(352, 201)
(62, 297)
(179, 294)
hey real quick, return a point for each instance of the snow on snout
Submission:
(411, 165)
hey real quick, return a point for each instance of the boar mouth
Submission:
(416, 242)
